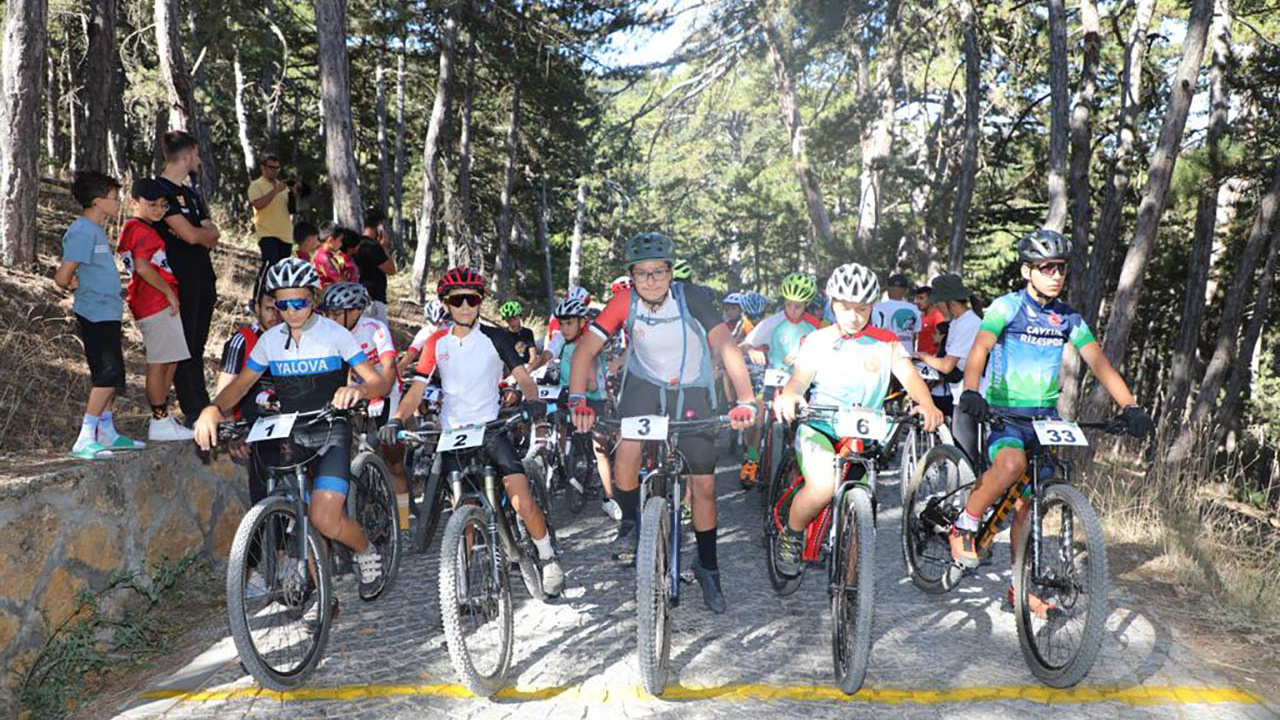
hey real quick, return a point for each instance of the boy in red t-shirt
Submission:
(153, 301)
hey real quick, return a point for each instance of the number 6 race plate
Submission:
(461, 438)
(860, 423)
(644, 427)
(1059, 432)
(273, 427)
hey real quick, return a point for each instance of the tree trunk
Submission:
(242, 115)
(579, 226)
(464, 148)
(1229, 412)
(397, 181)
(1125, 305)
(784, 78)
(544, 240)
(22, 80)
(96, 85)
(209, 161)
(182, 110)
(969, 156)
(53, 98)
(503, 259)
(431, 151)
(876, 144)
(1122, 167)
(1184, 352)
(335, 103)
(384, 157)
(1058, 112)
(118, 138)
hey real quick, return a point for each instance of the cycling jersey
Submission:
(235, 355)
(782, 336)
(1027, 356)
(900, 318)
(470, 369)
(668, 344)
(563, 351)
(849, 371)
(420, 338)
(307, 372)
(375, 339)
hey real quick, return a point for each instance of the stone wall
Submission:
(72, 528)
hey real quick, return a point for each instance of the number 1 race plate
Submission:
(860, 423)
(644, 427)
(1059, 432)
(461, 438)
(775, 378)
(272, 427)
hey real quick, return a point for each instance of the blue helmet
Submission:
(753, 303)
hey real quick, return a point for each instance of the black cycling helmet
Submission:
(1043, 245)
(649, 246)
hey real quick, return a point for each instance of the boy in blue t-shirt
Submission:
(89, 270)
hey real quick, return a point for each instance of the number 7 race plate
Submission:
(273, 427)
(461, 438)
(775, 378)
(1059, 432)
(644, 427)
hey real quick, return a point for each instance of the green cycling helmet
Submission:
(510, 309)
(648, 246)
(681, 270)
(798, 287)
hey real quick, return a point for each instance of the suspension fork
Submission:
(673, 537)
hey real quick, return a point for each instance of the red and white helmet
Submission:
(622, 282)
(460, 278)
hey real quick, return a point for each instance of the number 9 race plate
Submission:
(644, 427)
(1059, 432)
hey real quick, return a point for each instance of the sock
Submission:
(88, 430)
(629, 502)
(545, 552)
(967, 522)
(707, 549)
(107, 430)
(160, 412)
(402, 502)
(370, 549)
(753, 453)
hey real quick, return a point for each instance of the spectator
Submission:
(897, 315)
(928, 340)
(189, 235)
(373, 258)
(88, 269)
(269, 196)
(333, 265)
(307, 239)
(153, 300)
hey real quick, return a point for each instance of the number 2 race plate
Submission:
(461, 438)
(1059, 432)
(644, 427)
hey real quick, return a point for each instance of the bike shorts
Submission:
(502, 454)
(698, 447)
(1017, 434)
(332, 469)
(816, 451)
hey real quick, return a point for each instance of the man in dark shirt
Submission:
(375, 263)
(189, 235)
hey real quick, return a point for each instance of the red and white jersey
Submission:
(375, 340)
(470, 369)
(660, 342)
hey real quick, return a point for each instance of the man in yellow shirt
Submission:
(269, 196)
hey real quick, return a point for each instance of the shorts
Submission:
(502, 455)
(162, 336)
(816, 448)
(1017, 434)
(102, 351)
(698, 447)
(332, 469)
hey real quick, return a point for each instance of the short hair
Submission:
(374, 217)
(177, 142)
(89, 185)
(303, 230)
(350, 238)
(923, 289)
(269, 158)
(328, 229)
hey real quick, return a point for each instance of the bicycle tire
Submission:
(372, 504)
(908, 459)
(432, 510)
(255, 662)
(852, 616)
(653, 606)
(782, 584)
(1085, 523)
(459, 571)
(939, 574)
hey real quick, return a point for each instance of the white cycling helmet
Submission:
(578, 292)
(571, 307)
(852, 282)
(434, 311)
(346, 296)
(733, 299)
(290, 273)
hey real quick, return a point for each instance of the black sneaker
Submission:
(788, 552)
(369, 568)
(712, 596)
(625, 544)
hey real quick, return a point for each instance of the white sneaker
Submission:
(610, 508)
(168, 430)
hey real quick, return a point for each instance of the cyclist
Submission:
(682, 271)
(471, 360)
(1024, 333)
(849, 364)
(553, 323)
(522, 337)
(434, 315)
(308, 356)
(673, 330)
(896, 315)
(739, 324)
(774, 344)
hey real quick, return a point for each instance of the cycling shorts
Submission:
(698, 447)
(332, 469)
(1017, 434)
(816, 452)
(502, 455)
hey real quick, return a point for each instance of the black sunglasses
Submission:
(457, 300)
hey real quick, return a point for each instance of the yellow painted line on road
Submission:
(1130, 695)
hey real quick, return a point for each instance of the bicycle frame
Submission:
(846, 485)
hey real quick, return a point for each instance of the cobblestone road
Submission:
(954, 656)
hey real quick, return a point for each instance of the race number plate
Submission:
(431, 394)
(272, 427)
(644, 427)
(461, 438)
(548, 392)
(861, 423)
(776, 378)
(1059, 432)
(928, 374)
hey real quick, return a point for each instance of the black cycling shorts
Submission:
(502, 454)
(103, 352)
(698, 447)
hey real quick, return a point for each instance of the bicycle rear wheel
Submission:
(1061, 644)
(653, 603)
(775, 516)
(280, 633)
(931, 506)
(853, 590)
(372, 503)
(475, 602)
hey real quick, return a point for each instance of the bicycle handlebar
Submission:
(997, 418)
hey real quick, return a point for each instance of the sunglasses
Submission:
(293, 304)
(458, 300)
(1052, 269)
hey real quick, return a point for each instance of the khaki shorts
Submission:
(163, 338)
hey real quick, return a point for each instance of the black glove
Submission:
(1137, 421)
(387, 433)
(534, 409)
(973, 404)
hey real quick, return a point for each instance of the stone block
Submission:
(224, 531)
(99, 546)
(174, 537)
(25, 545)
(9, 627)
(60, 598)
(104, 495)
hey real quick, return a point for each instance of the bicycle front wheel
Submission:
(475, 602)
(653, 602)
(1062, 614)
(853, 592)
(280, 623)
(372, 503)
(932, 504)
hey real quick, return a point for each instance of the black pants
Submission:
(273, 251)
(197, 294)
